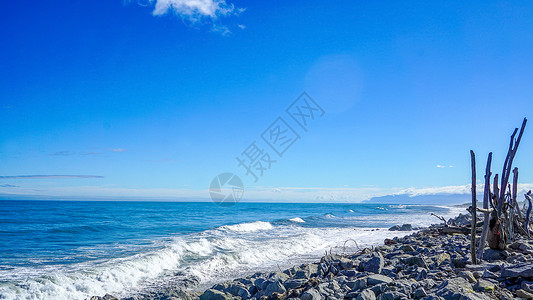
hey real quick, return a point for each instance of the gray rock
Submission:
(395, 228)
(274, 287)
(212, 294)
(345, 263)
(358, 284)
(349, 273)
(407, 248)
(377, 279)
(527, 286)
(423, 274)
(374, 264)
(524, 294)
(311, 294)
(524, 270)
(414, 261)
(366, 295)
(468, 276)
(294, 283)
(484, 286)
(278, 276)
(406, 227)
(393, 295)
(420, 293)
(454, 288)
(492, 255)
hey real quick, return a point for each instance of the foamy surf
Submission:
(297, 220)
(209, 256)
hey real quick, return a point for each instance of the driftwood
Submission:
(473, 211)
(498, 235)
(486, 199)
(440, 218)
(528, 214)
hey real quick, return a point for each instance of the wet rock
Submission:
(366, 295)
(394, 228)
(484, 286)
(377, 279)
(311, 294)
(374, 264)
(406, 227)
(212, 294)
(524, 270)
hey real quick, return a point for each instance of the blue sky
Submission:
(155, 98)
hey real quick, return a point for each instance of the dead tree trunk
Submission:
(474, 210)
(495, 234)
(486, 199)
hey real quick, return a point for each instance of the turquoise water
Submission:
(75, 249)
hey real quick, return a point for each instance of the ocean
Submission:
(77, 249)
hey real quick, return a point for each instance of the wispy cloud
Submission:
(63, 153)
(117, 150)
(197, 11)
(442, 166)
(49, 176)
(8, 185)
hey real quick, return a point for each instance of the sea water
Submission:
(77, 249)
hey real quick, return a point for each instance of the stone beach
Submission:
(427, 264)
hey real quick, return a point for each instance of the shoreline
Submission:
(427, 264)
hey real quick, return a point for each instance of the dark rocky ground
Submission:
(424, 265)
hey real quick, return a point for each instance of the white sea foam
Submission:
(248, 227)
(214, 255)
(297, 220)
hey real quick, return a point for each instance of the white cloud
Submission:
(442, 167)
(117, 150)
(195, 10)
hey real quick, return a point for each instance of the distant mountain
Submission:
(442, 199)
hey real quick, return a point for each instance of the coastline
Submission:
(427, 264)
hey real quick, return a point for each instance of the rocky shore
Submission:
(428, 264)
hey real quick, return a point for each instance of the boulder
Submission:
(294, 283)
(484, 286)
(420, 293)
(311, 294)
(406, 227)
(377, 279)
(524, 270)
(492, 255)
(274, 287)
(524, 294)
(374, 264)
(414, 261)
(394, 228)
(366, 295)
(468, 276)
(212, 294)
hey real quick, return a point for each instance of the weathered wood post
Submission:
(474, 209)
(486, 199)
